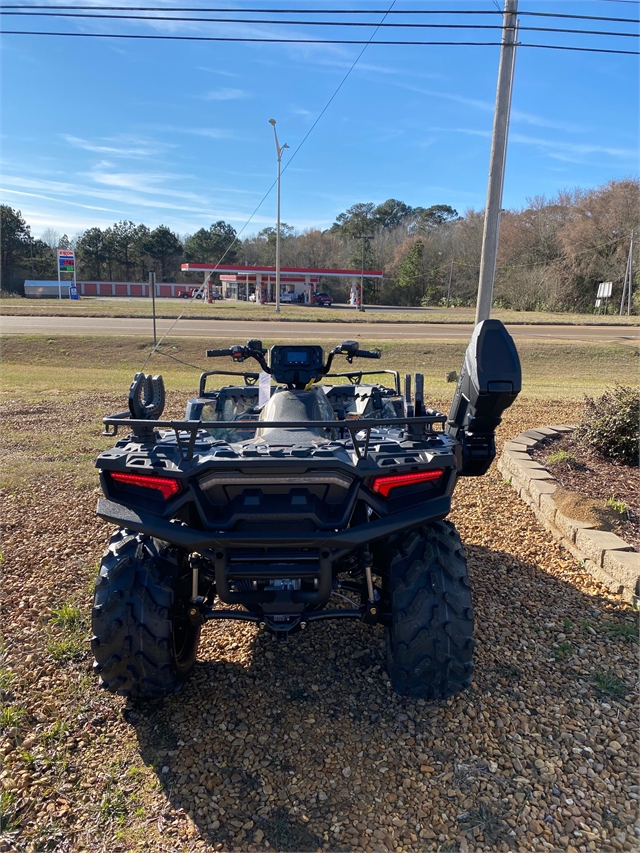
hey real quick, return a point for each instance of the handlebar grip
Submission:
(212, 353)
(363, 353)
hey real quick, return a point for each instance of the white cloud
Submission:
(119, 146)
(572, 152)
(217, 71)
(209, 132)
(225, 95)
(489, 107)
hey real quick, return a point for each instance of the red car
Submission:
(322, 299)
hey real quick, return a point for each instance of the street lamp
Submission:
(279, 150)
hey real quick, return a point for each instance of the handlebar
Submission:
(253, 349)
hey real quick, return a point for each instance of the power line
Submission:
(236, 10)
(338, 24)
(311, 41)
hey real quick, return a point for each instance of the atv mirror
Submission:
(490, 380)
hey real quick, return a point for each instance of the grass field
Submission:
(232, 310)
(42, 365)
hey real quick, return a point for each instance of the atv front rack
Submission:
(186, 432)
(251, 378)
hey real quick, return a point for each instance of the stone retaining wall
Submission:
(605, 555)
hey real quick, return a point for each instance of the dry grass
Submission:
(232, 310)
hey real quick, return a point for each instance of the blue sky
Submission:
(177, 133)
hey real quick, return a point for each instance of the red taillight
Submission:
(383, 485)
(167, 486)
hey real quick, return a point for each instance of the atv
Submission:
(282, 502)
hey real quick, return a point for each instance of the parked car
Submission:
(322, 299)
(198, 293)
(288, 297)
(192, 292)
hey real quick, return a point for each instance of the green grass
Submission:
(65, 649)
(113, 805)
(561, 457)
(618, 506)
(11, 717)
(6, 677)
(67, 643)
(609, 683)
(8, 821)
(67, 616)
(624, 632)
(47, 367)
(564, 651)
(55, 734)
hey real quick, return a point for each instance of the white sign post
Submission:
(66, 263)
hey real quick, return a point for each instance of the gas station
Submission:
(297, 284)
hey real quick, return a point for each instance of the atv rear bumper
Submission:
(339, 543)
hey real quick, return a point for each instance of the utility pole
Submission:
(449, 287)
(363, 237)
(628, 279)
(497, 161)
(279, 149)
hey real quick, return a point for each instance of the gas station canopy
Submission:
(296, 271)
(298, 284)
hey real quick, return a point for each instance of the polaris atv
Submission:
(280, 501)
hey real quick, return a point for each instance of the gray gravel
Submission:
(303, 746)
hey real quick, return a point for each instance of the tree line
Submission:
(552, 253)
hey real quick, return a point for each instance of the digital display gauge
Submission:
(297, 357)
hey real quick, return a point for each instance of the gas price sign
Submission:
(66, 260)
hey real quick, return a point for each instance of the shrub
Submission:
(610, 425)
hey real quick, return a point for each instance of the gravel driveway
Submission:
(303, 746)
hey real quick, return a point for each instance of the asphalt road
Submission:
(293, 331)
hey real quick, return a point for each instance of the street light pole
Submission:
(279, 151)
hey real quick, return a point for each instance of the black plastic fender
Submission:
(490, 380)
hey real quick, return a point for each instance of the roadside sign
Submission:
(73, 292)
(66, 263)
(598, 303)
(604, 289)
(66, 260)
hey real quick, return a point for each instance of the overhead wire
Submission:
(340, 24)
(252, 40)
(220, 10)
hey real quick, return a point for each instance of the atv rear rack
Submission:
(186, 432)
